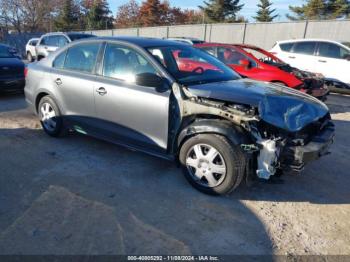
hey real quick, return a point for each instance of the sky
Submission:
(247, 11)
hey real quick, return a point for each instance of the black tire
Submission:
(234, 160)
(30, 57)
(58, 130)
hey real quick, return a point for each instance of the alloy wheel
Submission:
(48, 117)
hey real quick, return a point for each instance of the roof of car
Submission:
(310, 39)
(227, 45)
(65, 33)
(141, 41)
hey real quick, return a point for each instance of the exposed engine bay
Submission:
(283, 133)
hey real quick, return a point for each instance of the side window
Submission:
(232, 56)
(59, 61)
(306, 48)
(332, 51)
(124, 63)
(82, 57)
(286, 47)
(209, 49)
(61, 41)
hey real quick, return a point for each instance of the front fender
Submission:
(235, 134)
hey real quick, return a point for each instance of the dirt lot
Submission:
(79, 195)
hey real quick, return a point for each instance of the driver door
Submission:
(129, 113)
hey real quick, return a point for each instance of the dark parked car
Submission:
(11, 70)
(132, 91)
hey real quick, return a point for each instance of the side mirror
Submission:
(245, 63)
(151, 80)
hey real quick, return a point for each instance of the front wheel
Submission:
(212, 164)
(50, 117)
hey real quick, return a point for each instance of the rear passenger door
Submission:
(129, 113)
(73, 77)
(303, 56)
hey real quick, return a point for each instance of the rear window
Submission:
(306, 48)
(286, 47)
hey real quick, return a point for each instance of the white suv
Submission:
(50, 42)
(330, 58)
(30, 49)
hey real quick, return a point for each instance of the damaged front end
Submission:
(313, 84)
(286, 151)
(286, 128)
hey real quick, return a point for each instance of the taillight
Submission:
(25, 71)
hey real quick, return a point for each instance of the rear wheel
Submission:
(211, 164)
(50, 117)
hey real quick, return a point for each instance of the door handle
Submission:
(291, 57)
(322, 61)
(101, 91)
(58, 81)
(46, 47)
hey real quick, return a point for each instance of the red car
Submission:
(256, 63)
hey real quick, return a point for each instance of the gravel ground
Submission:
(79, 195)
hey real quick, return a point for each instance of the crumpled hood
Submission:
(280, 106)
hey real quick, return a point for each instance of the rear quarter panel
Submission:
(37, 82)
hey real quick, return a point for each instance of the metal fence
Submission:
(261, 34)
(18, 40)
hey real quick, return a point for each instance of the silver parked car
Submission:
(171, 100)
(50, 42)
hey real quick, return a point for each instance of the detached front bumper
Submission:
(294, 158)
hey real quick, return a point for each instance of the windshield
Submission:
(346, 44)
(75, 37)
(4, 52)
(263, 56)
(192, 66)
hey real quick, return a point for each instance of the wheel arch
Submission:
(235, 134)
(42, 93)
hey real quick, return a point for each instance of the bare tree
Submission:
(11, 14)
(28, 15)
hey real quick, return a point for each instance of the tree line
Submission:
(67, 15)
